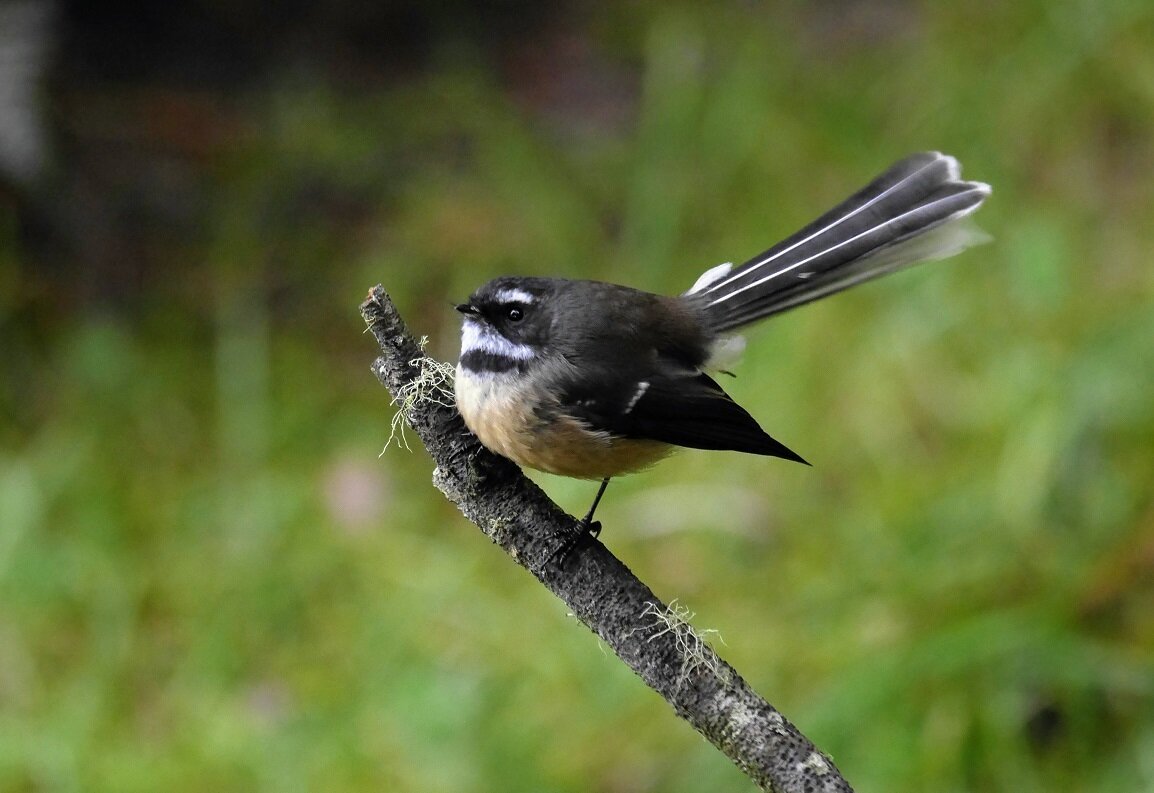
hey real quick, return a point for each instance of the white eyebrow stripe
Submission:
(514, 296)
(952, 169)
(478, 337)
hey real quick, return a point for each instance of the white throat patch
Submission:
(476, 336)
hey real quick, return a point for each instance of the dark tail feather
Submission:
(913, 212)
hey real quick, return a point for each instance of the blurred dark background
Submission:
(211, 577)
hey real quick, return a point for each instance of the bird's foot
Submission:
(584, 531)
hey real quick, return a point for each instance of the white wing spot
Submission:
(642, 387)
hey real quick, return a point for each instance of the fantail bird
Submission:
(594, 380)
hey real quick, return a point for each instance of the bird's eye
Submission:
(514, 314)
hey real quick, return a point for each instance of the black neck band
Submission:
(482, 361)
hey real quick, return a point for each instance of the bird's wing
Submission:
(685, 409)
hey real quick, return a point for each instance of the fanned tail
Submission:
(915, 211)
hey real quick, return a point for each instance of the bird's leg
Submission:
(587, 523)
(586, 528)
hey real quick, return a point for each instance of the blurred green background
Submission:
(209, 579)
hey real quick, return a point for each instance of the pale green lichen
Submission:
(433, 383)
(817, 763)
(692, 645)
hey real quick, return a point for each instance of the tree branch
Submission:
(653, 640)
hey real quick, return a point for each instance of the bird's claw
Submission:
(584, 531)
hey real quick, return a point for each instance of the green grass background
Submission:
(209, 580)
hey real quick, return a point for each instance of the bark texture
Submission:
(652, 639)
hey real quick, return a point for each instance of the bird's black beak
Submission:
(468, 309)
